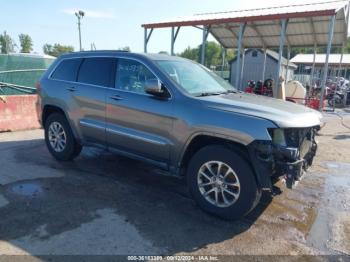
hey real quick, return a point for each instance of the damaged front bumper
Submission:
(289, 159)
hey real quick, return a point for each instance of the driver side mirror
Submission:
(155, 87)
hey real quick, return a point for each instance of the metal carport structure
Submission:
(307, 25)
(339, 63)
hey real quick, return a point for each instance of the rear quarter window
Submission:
(97, 71)
(67, 70)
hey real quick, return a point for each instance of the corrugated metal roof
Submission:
(320, 59)
(308, 24)
(284, 61)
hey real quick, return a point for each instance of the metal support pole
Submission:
(341, 60)
(313, 66)
(80, 47)
(333, 75)
(239, 47)
(80, 14)
(204, 40)
(325, 70)
(277, 91)
(223, 54)
(147, 36)
(172, 41)
(264, 65)
(242, 71)
(145, 41)
(287, 68)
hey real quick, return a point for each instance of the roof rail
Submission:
(92, 51)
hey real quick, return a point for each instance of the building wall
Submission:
(18, 112)
(253, 68)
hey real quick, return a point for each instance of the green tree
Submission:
(213, 54)
(26, 43)
(310, 50)
(190, 53)
(7, 44)
(230, 55)
(57, 49)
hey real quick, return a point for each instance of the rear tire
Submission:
(59, 138)
(225, 164)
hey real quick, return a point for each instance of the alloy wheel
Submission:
(218, 183)
(57, 137)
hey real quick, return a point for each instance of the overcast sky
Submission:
(112, 24)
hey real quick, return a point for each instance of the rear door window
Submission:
(97, 71)
(67, 70)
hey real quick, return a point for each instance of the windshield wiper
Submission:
(230, 91)
(209, 94)
(218, 93)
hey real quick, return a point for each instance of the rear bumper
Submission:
(39, 109)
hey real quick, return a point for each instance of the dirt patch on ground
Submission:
(334, 141)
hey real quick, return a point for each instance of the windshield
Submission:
(194, 78)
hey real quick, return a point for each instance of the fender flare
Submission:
(210, 134)
(65, 115)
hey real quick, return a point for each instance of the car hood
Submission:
(283, 114)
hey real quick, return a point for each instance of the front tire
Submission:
(59, 138)
(222, 182)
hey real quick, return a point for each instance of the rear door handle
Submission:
(116, 97)
(71, 89)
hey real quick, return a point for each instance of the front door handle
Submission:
(71, 89)
(116, 97)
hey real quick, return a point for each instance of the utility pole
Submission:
(80, 14)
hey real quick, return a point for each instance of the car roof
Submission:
(154, 57)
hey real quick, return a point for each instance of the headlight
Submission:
(278, 137)
(279, 140)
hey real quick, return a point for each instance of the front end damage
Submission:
(289, 153)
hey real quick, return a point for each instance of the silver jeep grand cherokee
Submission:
(177, 115)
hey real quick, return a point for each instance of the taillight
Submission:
(38, 87)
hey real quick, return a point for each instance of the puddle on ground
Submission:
(339, 181)
(298, 212)
(336, 166)
(27, 189)
(332, 165)
(91, 152)
(333, 204)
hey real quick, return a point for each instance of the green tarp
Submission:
(18, 71)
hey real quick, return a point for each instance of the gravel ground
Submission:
(102, 204)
